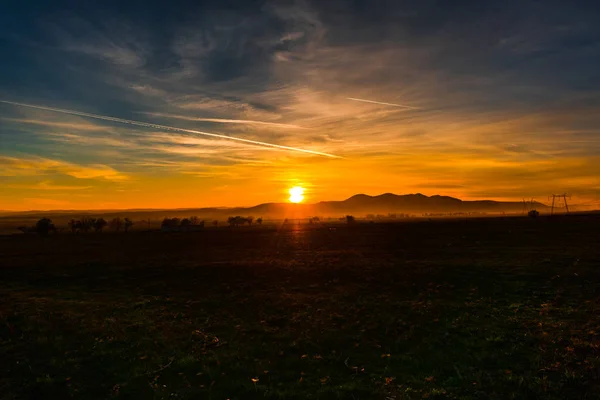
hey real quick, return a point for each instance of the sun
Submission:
(296, 194)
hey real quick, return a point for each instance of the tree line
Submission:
(87, 224)
(237, 221)
(45, 226)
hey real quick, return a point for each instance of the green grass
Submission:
(490, 309)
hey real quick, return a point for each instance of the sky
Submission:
(472, 99)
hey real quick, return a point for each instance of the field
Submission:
(495, 308)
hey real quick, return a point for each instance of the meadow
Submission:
(486, 308)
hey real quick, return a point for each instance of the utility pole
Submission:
(558, 196)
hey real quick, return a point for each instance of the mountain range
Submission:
(358, 205)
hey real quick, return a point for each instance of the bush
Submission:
(44, 226)
(533, 213)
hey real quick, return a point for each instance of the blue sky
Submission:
(484, 100)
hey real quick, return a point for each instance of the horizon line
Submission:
(250, 206)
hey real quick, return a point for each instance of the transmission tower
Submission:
(558, 196)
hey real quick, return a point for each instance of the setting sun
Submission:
(296, 194)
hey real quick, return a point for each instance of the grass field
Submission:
(476, 309)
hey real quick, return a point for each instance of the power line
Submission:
(558, 196)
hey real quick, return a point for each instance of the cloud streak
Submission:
(383, 103)
(35, 166)
(171, 128)
(225, 121)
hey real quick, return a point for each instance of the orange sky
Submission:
(477, 106)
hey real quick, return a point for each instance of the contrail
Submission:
(225, 121)
(169, 128)
(380, 102)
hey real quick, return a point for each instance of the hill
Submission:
(358, 205)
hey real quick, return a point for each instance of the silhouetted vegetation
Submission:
(99, 224)
(44, 226)
(237, 221)
(185, 224)
(533, 213)
(350, 219)
(116, 224)
(259, 220)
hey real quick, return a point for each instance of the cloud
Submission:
(32, 166)
(503, 112)
(224, 121)
(109, 39)
(48, 186)
(60, 125)
(382, 103)
(170, 128)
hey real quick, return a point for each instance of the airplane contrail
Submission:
(380, 102)
(224, 121)
(169, 128)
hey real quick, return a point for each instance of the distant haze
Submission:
(358, 205)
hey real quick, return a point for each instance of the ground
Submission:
(466, 309)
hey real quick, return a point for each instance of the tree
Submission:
(350, 219)
(85, 224)
(534, 213)
(99, 224)
(116, 224)
(216, 222)
(127, 223)
(44, 226)
(73, 225)
(259, 220)
(194, 221)
(236, 221)
(249, 220)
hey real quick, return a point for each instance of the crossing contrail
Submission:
(380, 102)
(169, 128)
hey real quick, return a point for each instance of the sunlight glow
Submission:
(296, 194)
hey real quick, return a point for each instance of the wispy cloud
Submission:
(59, 125)
(170, 128)
(48, 186)
(33, 166)
(382, 103)
(224, 121)
(432, 105)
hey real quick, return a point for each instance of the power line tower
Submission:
(558, 196)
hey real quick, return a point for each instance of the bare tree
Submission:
(127, 223)
(116, 224)
(73, 225)
(85, 224)
(99, 224)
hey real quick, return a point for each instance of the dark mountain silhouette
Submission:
(358, 205)
(419, 203)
